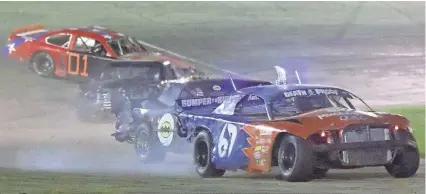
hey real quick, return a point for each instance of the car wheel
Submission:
(43, 64)
(295, 159)
(405, 164)
(319, 173)
(203, 146)
(146, 148)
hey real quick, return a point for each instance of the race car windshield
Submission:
(296, 102)
(124, 46)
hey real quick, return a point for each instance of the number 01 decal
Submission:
(74, 68)
(225, 145)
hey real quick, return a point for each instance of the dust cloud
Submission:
(40, 131)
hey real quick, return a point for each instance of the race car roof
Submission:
(267, 92)
(218, 86)
(98, 31)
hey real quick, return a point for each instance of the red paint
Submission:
(26, 51)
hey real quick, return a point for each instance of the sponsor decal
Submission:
(353, 117)
(326, 91)
(260, 154)
(217, 88)
(311, 92)
(262, 149)
(295, 93)
(165, 128)
(261, 162)
(253, 97)
(206, 101)
(203, 101)
(344, 116)
(257, 155)
(265, 132)
(199, 92)
(263, 141)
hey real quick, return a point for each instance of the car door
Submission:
(82, 64)
(232, 147)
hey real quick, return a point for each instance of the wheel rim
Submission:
(142, 145)
(201, 155)
(288, 157)
(43, 66)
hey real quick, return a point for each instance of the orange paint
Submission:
(262, 142)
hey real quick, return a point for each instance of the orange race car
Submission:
(71, 52)
(303, 129)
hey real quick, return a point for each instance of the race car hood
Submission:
(157, 57)
(313, 122)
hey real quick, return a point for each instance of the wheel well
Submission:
(199, 129)
(34, 54)
(275, 148)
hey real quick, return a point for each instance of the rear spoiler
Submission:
(27, 30)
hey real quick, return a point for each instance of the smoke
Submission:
(82, 159)
(40, 131)
(79, 153)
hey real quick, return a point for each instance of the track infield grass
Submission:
(416, 115)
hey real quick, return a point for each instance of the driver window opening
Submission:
(61, 40)
(251, 105)
(86, 44)
(169, 72)
(125, 45)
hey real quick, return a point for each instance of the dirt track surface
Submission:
(376, 50)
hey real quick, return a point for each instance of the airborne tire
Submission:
(42, 64)
(153, 152)
(295, 159)
(203, 146)
(405, 164)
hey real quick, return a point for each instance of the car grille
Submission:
(366, 133)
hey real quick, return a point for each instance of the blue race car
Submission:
(303, 129)
(158, 127)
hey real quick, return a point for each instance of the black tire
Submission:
(319, 173)
(153, 151)
(43, 64)
(405, 164)
(295, 159)
(203, 147)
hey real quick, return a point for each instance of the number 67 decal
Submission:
(74, 68)
(225, 146)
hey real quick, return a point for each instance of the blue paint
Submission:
(215, 123)
(21, 41)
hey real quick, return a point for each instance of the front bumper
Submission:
(360, 154)
(387, 144)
